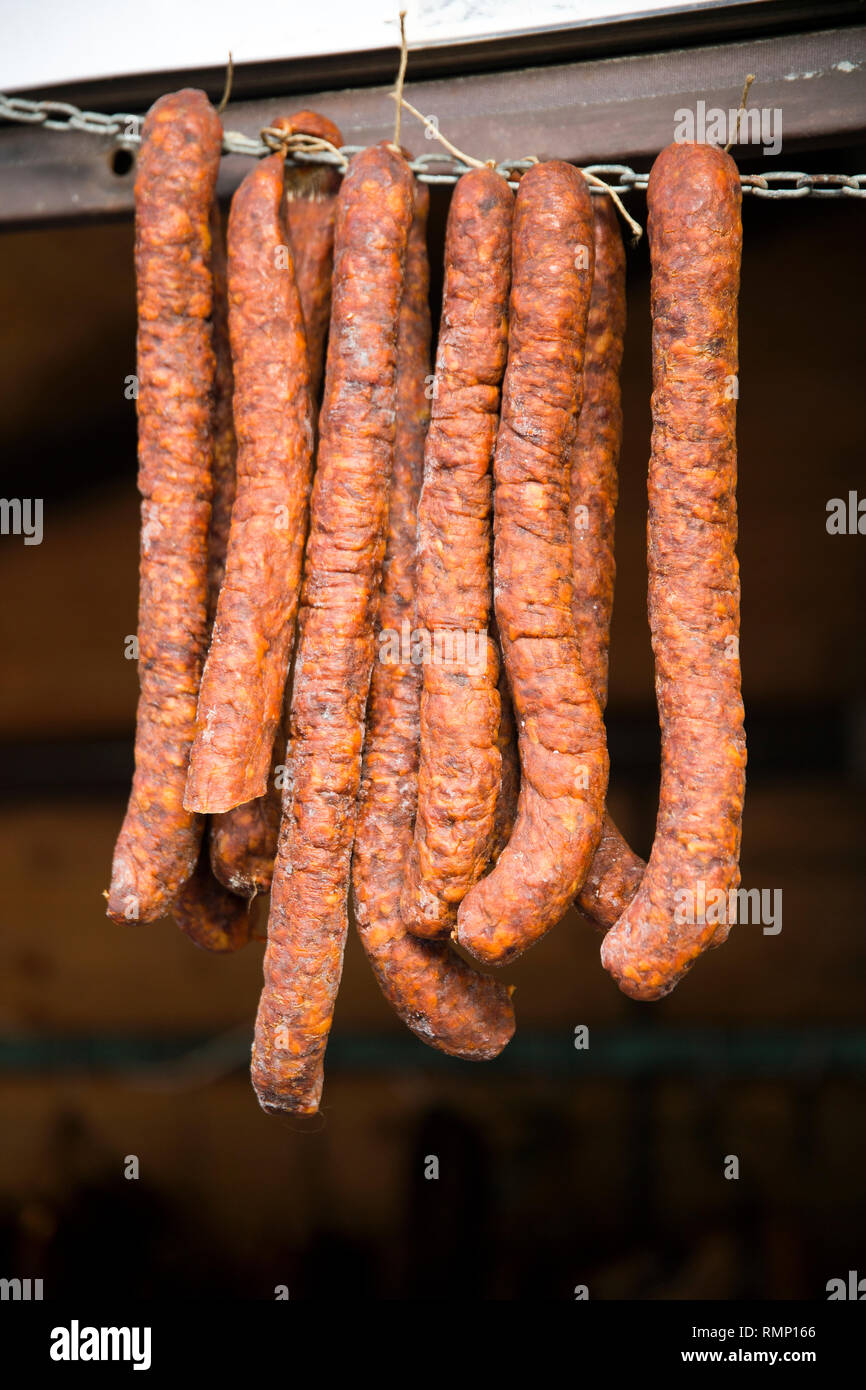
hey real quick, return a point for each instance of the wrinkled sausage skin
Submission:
(695, 237)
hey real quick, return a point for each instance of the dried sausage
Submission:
(345, 548)
(613, 879)
(222, 417)
(157, 850)
(243, 841)
(445, 1002)
(309, 205)
(508, 793)
(245, 673)
(208, 914)
(616, 871)
(563, 754)
(595, 455)
(695, 236)
(215, 919)
(336, 639)
(460, 762)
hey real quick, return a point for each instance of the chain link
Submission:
(431, 168)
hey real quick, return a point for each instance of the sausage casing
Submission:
(336, 641)
(243, 840)
(460, 765)
(157, 849)
(695, 234)
(242, 685)
(616, 870)
(563, 752)
(211, 916)
(445, 1002)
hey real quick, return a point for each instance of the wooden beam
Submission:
(614, 109)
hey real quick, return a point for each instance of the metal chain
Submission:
(430, 168)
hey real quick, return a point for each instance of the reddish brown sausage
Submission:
(460, 764)
(224, 441)
(616, 871)
(694, 593)
(563, 754)
(245, 673)
(212, 917)
(243, 841)
(508, 793)
(336, 643)
(445, 1002)
(309, 207)
(157, 850)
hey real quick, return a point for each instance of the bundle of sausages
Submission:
(373, 632)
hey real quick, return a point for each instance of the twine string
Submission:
(743, 99)
(291, 142)
(635, 227)
(437, 135)
(401, 78)
(227, 89)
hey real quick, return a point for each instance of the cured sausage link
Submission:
(616, 870)
(243, 841)
(695, 236)
(336, 642)
(309, 208)
(614, 877)
(157, 850)
(460, 767)
(245, 673)
(211, 916)
(595, 457)
(563, 754)
(224, 440)
(508, 794)
(445, 1002)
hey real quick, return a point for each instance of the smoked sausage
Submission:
(616, 870)
(563, 753)
(211, 916)
(695, 235)
(158, 846)
(445, 1002)
(336, 636)
(309, 207)
(245, 673)
(243, 840)
(460, 762)
(508, 792)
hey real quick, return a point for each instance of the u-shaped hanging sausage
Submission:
(695, 234)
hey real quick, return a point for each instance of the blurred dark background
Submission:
(558, 1167)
